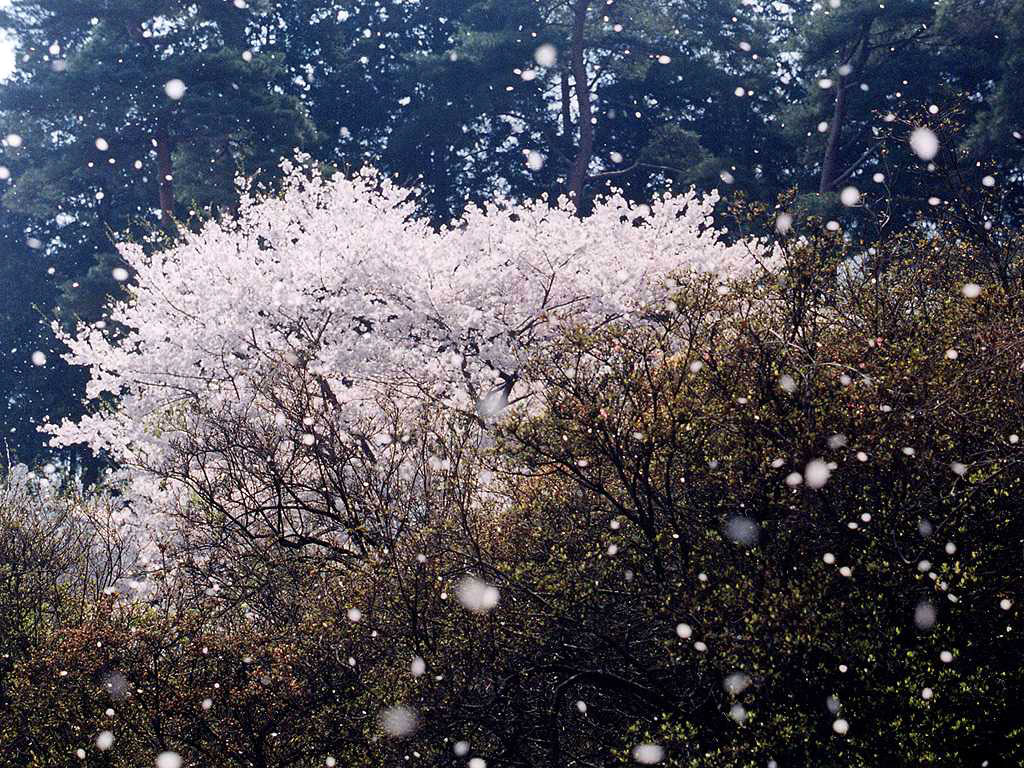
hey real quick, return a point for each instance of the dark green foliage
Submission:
(433, 92)
(103, 81)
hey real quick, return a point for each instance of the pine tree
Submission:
(859, 57)
(132, 116)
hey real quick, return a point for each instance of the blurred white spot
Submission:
(924, 143)
(736, 683)
(742, 530)
(476, 595)
(850, 196)
(174, 88)
(546, 55)
(925, 615)
(648, 754)
(816, 473)
(398, 722)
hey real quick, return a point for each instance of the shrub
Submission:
(765, 516)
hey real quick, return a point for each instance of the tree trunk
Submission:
(835, 133)
(163, 140)
(578, 175)
(830, 162)
(567, 139)
(164, 170)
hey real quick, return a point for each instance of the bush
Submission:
(776, 518)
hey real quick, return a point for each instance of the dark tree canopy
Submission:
(769, 518)
(468, 99)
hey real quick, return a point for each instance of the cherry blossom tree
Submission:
(331, 307)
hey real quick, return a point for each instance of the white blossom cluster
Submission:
(340, 277)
